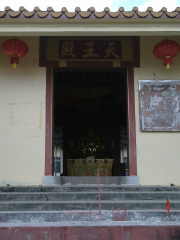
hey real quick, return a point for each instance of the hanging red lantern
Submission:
(166, 50)
(15, 49)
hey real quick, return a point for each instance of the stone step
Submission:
(91, 188)
(86, 205)
(61, 216)
(113, 195)
(118, 180)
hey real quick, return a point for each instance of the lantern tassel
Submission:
(168, 62)
(14, 60)
(14, 65)
(168, 66)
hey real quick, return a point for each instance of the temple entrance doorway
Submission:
(90, 123)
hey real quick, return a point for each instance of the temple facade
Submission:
(90, 94)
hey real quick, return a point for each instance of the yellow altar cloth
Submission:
(89, 167)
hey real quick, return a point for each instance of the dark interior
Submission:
(91, 100)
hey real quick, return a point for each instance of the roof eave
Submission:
(89, 27)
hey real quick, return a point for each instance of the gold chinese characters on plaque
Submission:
(82, 49)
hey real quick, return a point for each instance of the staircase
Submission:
(74, 205)
(47, 204)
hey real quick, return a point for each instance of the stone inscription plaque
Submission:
(159, 105)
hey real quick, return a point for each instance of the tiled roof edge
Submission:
(90, 13)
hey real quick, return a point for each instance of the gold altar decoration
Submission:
(90, 146)
(89, 167)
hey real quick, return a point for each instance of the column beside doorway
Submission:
(131, 122)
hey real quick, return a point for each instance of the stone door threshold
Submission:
(59, 181)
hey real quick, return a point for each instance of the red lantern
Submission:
(166, 50)
(15, 49)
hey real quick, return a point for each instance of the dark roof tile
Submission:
(142, 14)
(14, 14)
(129, 14)
(114, 14)
(157, 14)
(28, 14)
(100, 14)
(85, 14)
(56, 14)
(2, 14)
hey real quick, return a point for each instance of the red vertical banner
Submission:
(168, 207)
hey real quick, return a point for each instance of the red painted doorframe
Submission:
(131, 121)
(48, 130)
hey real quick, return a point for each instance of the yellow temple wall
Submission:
(158, 153)
(22, 118)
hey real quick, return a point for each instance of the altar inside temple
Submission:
(89, 167)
